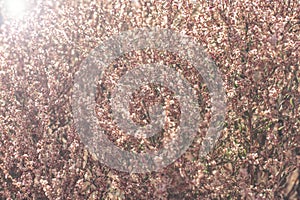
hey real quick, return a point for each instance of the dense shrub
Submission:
(255, 44)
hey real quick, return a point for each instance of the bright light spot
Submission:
(16, 8)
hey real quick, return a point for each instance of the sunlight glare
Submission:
(16, 8)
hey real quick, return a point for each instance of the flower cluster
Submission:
(254, 43)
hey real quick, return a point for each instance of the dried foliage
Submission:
(255, 43)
